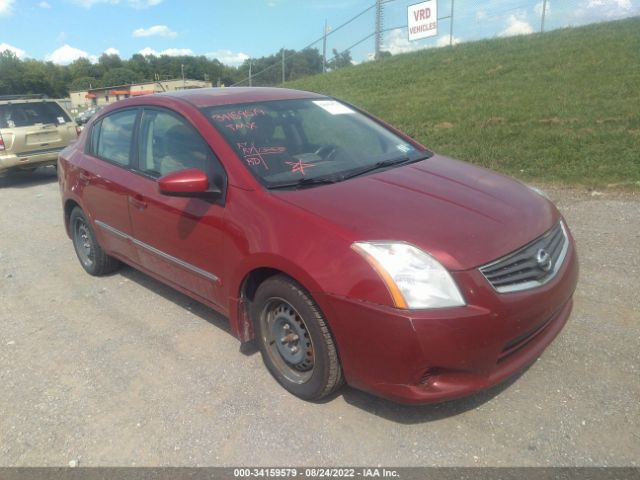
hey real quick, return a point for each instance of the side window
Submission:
(168, 144)
(115, 136)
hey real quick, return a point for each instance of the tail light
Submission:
(1, 143)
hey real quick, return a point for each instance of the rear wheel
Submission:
(294, 339)
(92, 258)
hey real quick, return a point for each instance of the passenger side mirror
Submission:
(191, 182)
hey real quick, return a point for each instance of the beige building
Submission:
(81, 100)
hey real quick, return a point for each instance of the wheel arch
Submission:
(69, 205)
(241, 324)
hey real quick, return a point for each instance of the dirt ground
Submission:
(122, 370)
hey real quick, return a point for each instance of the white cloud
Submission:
(149, 51)
(171, 52)
(609, 8)
(397, 42)
(91, 3)
(589, 11)
(481, 15)
(139, 4)
(156, 30)
(177, 52)
(516, 26)
(112, 51)
(44, 5)
(443, 41)
(227, 57)
(67, 54)
(18, 52)
(623, 4)
(5, 7)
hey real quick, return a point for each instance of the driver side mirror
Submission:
(191, 182)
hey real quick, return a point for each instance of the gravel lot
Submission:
(124, 371)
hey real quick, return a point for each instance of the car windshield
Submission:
(26, 114)
(295, 143)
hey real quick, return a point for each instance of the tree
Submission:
(120, 76)
(81, 67)
(84, 83)
(110, 61)
(340, 60)
(10, 74)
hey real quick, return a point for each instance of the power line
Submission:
(334, 30)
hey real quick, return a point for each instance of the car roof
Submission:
(209, 97)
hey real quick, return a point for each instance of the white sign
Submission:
(333, 107)
(423, 20)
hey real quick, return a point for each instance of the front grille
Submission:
(531, 266)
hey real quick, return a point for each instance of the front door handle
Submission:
(84, 177)
(138, 202)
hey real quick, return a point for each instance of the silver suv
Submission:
(33, 130)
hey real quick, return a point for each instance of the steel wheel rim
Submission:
(290, 349)
(82, 242)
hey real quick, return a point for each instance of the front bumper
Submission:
(429, 356)
(26, 160)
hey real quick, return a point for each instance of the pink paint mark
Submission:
(254, 155)
(240, 126)
(238, 115)
(299, 166)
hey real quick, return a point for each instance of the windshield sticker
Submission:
(403, 147)
(299, 166)
(241, 126)
(238, 115)
(333, 107)
(254, 155)
(61, 120)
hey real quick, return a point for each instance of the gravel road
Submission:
(124, 371)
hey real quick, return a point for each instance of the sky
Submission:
(235, 30)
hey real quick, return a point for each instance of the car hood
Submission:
(463, 215)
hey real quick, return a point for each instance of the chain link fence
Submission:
(340, 44)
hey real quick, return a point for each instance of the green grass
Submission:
(563, 106)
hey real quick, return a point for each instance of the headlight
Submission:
(414, 278)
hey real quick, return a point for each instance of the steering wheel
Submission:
(327, 152)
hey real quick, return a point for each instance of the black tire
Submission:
(294, 339)
(89, 252)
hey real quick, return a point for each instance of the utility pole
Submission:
(182, 70)
(451, 26)
(283, 65)
(378, 28)
(544, 10)
(250, 73)
(324, 48)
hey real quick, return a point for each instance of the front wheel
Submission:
(294, 339)
(92, 258)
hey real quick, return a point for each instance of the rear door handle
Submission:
(138, 202)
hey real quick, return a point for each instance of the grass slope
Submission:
(560, 106)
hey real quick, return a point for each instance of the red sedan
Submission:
(345, 249)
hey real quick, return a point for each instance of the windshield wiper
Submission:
(384, 164)
(303, 182)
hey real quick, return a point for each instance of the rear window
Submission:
(14, 115)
